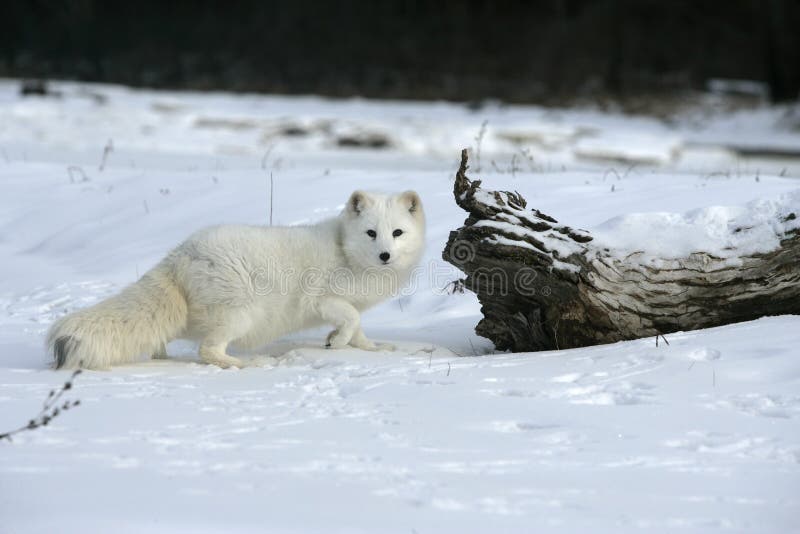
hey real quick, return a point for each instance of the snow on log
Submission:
(544, 285)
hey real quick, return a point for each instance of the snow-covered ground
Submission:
(440, 436)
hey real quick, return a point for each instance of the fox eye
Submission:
(397, 233)
(372, 234)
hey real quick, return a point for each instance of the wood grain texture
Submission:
(544, 285)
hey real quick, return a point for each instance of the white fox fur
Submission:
(249, 285)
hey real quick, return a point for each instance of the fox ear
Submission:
(357, 202)
(411, 200)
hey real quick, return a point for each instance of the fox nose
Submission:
(384, 256)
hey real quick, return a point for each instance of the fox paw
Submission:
(376, 347)
(335, 340)
(223, 360)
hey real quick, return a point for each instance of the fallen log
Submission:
(544, 285)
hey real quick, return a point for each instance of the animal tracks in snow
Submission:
(406, 425)
(738, 446)
(614, 393)
(757, 404)
(44, 304)
(592, 387)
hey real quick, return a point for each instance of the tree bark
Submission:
(544, 285)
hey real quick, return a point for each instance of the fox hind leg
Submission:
(160, 353)
(213, 353)
(229, 326)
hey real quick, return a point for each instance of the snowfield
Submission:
(442, 435)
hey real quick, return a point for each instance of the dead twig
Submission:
(265, 157)
(613, 171)
(74, 170)
(51, 408)
(109, 148)
(453, 287)
(271, 191)
(478, 142)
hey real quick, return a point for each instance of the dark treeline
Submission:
(468, 50)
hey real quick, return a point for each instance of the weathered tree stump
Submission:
(544, 285)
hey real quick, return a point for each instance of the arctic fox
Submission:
(248, 285)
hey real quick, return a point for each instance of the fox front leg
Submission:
(348, 330)
(343, 316)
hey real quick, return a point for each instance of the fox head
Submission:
(383, 231)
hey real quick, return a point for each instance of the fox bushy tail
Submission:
(140, 320)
